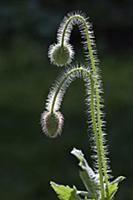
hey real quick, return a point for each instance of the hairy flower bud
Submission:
(61, 55)
(52, 123)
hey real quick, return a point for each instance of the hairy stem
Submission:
(96, 120)
(97, 140)
(99, 121)
(67, 75)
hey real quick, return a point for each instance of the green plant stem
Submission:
(69, 73)
(97, 127)
(81, 69)
(99, 121)
(94, 124)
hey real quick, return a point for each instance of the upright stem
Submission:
(98, 146)
(97, 123)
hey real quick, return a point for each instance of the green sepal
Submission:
(65, 192)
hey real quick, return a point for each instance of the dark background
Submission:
(28, 160)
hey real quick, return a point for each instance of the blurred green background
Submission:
(28, 160)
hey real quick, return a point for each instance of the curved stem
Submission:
(68, 74)
(97, 124)
(87, 72)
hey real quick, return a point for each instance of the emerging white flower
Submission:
(61, 55)
(52, 123)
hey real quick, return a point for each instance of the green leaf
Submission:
(113, 186)
(88, 176)
(65, 192)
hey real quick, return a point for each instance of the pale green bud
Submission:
(52, 123)
(61, 55)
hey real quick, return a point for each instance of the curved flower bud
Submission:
(61, 55)
(52, 123)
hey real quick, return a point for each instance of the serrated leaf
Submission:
(113, 186)
(65, 192)
(88, 176)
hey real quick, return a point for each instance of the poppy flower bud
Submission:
(52, 123)
(61, 55)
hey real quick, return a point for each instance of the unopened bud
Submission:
(61, 55)
(52, 123)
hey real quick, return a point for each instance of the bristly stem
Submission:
(96, 182)
(96, 120)
(94, 125)
(67, 75)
